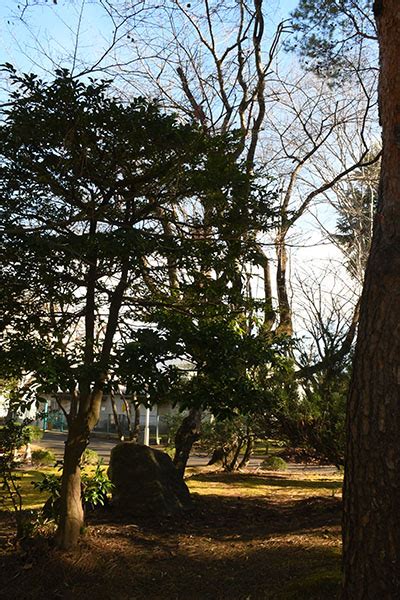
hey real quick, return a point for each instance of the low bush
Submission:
(89, 457)
(43, 457)
(274, 463)
(95, 490)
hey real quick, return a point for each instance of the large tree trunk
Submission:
(371, 522)
(187, 434)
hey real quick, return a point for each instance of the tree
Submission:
(83, 179)
(218, 63)
(286, 121)
(371, 530)
(372, 480)
(332, 35)
(355, 200)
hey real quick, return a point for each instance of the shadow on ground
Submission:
(225, 548)
(255, 481)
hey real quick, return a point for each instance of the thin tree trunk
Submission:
(232, 457)
(118, 428)
(128, 414)
(136, 423)
(248, 450)
(187, 434)
(371, 524)
(71, 507)
(285, 314)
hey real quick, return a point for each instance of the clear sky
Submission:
(46, 31)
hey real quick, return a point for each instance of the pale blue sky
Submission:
(50, 29)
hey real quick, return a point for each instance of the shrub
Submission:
(33, 433)
(95, 490)
(274, 463)
(89, 457)
(43, 457)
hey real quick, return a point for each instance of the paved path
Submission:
(102, 444)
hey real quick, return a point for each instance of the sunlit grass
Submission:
(32, 498)
(271, 485)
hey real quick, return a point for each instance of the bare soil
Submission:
(275, 545)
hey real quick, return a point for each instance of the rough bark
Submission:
(187, 434)
(71, 508)
(371, 522)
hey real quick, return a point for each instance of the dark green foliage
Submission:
(83, 178)
(311, 414)
(12, 436)
(207, 362)
(327, 32)
(96, 488)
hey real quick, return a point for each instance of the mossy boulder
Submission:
(146, 482)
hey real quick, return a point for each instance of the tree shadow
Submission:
(107, 567)
(226, 547)
(255, 481)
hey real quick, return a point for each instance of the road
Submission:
(102, 444)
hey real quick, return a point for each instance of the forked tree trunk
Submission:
(248, 450)
(187, 434)
(371, 522)
(71, 508)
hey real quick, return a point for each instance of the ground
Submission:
(250, 536)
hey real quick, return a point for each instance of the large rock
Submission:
(146, 482)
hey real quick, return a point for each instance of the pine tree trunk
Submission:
(371, 522)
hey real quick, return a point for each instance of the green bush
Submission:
(95, 488)
(89, 457)
(274, 463)
(33, 433)
(95, 491)
(43, 457)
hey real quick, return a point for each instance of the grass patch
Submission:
(289, 485)
(322, 584)
(33, 499)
